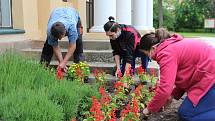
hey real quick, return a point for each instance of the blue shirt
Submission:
(69, 17)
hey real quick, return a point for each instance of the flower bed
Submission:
(125, 102)
(28, 92)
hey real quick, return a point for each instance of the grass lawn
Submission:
(190, 34)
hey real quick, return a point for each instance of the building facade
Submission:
(29, 17)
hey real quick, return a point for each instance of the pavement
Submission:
(209, 40)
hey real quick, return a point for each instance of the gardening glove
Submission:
(146, 113)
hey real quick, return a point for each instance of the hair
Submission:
(151, 39)
(58, 29)
(111, 25)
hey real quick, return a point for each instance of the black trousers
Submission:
(78, 56)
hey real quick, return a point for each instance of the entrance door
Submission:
(90, 14)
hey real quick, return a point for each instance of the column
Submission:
(150, 14)
(123, 11)
(141, 16)
(102, 10)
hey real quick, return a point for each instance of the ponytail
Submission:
(111, 25)
(161, 34)
(151, 39)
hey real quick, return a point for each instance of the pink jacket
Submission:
(186, 65)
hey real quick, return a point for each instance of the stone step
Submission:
(109, 67)
(90, 55)
(87, 44)
(14, 45)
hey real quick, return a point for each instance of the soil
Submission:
(167, 114)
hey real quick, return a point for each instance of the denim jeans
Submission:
(137, 53)
(204, 111)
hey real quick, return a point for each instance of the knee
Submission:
(182, 114)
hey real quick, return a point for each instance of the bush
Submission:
(16, 72)
(27, 105)
(56, 99)
(68, 94)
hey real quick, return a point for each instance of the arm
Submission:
(177, 93)
(71, 49)
(168, 70)
(129, 50)
(58, 53)
(56, 49)
(117, 61)
(116, 53)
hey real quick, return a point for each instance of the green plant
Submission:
(100, 77)
(68, 94)
(17, 72)
(28, 105)
(79, 71)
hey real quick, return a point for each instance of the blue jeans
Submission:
(204, 111)
(137, 53)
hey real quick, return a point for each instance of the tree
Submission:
(160, 13)
(168, 7)
(190, 14)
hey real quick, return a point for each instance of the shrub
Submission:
(27, 105)
(16, 72)
(68, 94)
(60, 98)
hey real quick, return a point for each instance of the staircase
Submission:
(98, 54)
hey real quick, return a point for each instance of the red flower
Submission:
(152, 72)
(125, 111)
(96, 110)
(135, 107)
(79, 72)
(137, 91)
(113, 115)
(105, 98)
(102, 91)
(95, 72)
(73, 119)
(118, 84)
(119, 74)
(59, 74)
(141, 70)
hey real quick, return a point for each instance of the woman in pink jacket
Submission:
(186, 66)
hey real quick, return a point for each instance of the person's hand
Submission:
(63, 66)
(146, 113)
(65, 69)
(169, 101)
(118, 73)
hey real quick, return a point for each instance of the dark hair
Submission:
(58, 29)
(111, 25)
(150, 39)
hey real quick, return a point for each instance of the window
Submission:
(5, 14)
